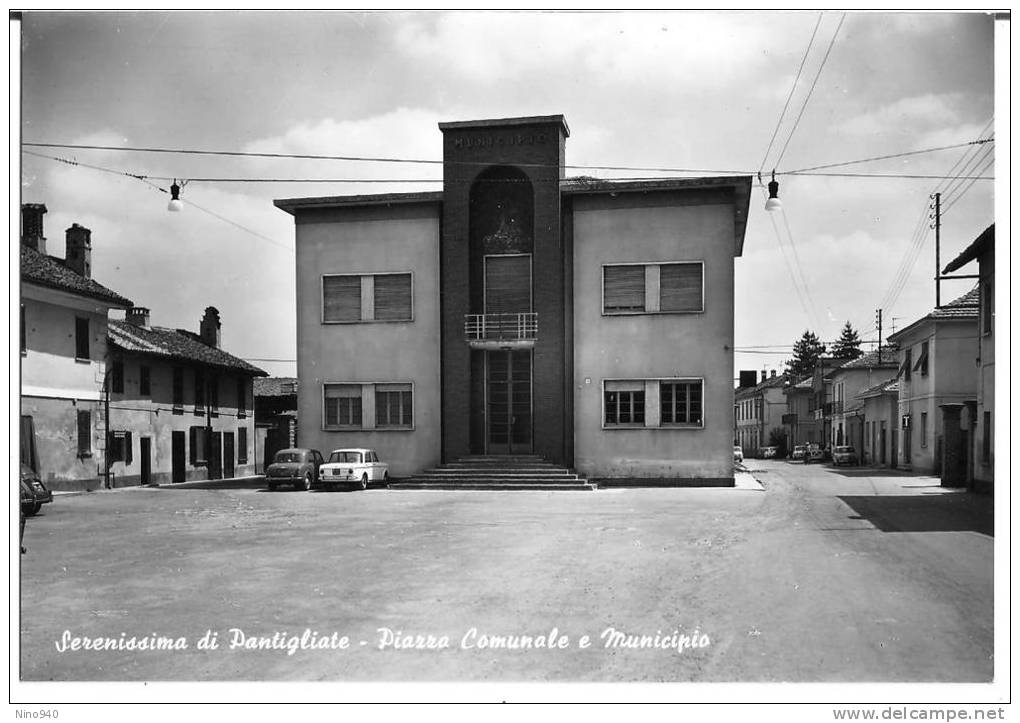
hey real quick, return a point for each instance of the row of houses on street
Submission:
(923, 402)
(108, 402)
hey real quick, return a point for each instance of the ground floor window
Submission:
(653, 403)
(118, 447)
(84, 433)
(680, 402)
(371, 405)
(199, 445)
(242, 445)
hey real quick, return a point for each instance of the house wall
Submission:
(654, 228)
(371, 240)
(984, 469)
(880, 412)
(55, 385)
(950, 379)
(846, 385)
(155, 417)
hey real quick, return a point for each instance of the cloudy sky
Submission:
(699, 91)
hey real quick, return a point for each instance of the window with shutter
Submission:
(144, 384)
(623, 289)
(117, 377)
(178, 390)
(242, 445)
(81, 337)
(341, 298)
(392, 297)
(507, 284)
(342, 405)
(84, 433)
(680, 287)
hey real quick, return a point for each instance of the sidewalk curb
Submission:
(253, 482)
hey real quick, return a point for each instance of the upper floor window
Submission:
(366, 297)
(986, 308)
(242, 397)
(199, 392)
(214, 396)
(178, 389)
(922, 360)
(908, 362)
(81, 337)
(653, 288)
(144, 381)
(117, 377)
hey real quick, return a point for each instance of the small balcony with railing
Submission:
(501, 331)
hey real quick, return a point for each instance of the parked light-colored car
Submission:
(738, 455)
(844, 455)
(355, 465)
(814, 453)
(769, 452)
(799, 452)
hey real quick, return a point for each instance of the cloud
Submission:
(906, 115)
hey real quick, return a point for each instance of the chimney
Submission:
(773, 373)
(78, 255)
(138, 316)
(209, 329)
(32, 226)
(748, 378)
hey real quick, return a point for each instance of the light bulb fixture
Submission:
(773, 204)
(175, 205)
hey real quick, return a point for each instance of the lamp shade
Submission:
(773, 204)
(175, 205)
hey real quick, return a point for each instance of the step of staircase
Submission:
(493, 472)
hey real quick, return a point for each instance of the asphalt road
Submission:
(827, 575)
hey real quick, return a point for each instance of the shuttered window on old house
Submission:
(81, 337)
(242, 445)
(119, 447)
(680, 287)
(341, 298)
(84, 433)
(392, 297)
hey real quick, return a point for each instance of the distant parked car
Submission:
(296, 466)
(799, 452)
(814, 453)
(844, 455)
(738, 455)
(769, 452)
(33, 492)
(357, 465)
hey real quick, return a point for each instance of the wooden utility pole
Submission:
(878, 318)
(938, 264)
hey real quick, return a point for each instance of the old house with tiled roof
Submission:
(937, 356)
(276, 422)
(981, 470)
(758, 409)
(181, 408)
(879, 408)
(63, 356)
(846, 413)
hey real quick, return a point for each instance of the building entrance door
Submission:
(228, 455)
(146, 453)
(508, 402)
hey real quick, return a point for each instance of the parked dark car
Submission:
(297, 466)
(33, 492)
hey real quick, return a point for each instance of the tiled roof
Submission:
(276, 386)
(980, 245)
(175, 344)
(890, 357)
(889, 386)
(770, 382)
(38, 268)
(966, 306)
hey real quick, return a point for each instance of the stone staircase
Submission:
(495, 472)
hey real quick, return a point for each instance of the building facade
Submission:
(982, 421)
(180, 407)
(757, 411)
(936, 381)
(799, 419)
(879, 408)
(518, 312)
(847, 420)
(276, 420)
(63, 357)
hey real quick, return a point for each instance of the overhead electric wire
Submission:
(971, 167)
(659, 169)
(789, 97)
(811, 90)
(949, 206)
(803, 171)
(148, 181)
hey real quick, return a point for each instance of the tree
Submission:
(777, 439)
(806, 352)
(848, 345)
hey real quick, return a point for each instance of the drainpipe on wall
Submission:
(106, 430)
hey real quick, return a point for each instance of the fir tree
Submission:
(848, 345)
(806, 352)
